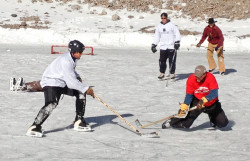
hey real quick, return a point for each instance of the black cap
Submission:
(164, 14)
(211, 21)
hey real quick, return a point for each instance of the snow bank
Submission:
(106, 40)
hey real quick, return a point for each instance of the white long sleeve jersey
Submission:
(166, 34)
(61, 72)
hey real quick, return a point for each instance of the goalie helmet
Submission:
(76, 46)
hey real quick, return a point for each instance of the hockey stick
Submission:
(151, 135)
(155, 122)
(202, 46)
(175, 52)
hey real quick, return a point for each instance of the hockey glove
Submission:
(183, 110)
(177, 45)
(90, 92)
(153, 48)
(198, 45)
(201, 103)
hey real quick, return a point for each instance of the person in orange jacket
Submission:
(215, 39)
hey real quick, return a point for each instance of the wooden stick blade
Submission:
(151, 135)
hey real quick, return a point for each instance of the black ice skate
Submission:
(82, 125)
(35, 131)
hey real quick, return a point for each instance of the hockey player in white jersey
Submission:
(168, 35)
(60, 78)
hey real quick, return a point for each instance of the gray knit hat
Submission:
(199, 71)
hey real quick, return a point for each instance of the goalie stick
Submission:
(151, 135)
(137, 122)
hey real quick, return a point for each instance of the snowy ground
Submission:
(127, 81)
(100, 31)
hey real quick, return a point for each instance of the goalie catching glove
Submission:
(201, 103)
(183, 110)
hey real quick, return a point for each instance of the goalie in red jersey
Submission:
(202, 92)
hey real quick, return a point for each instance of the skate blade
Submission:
(151, 135)
(34, 134)
(83, 129)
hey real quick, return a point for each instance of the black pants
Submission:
(215, 112)
(171, 55)
(52, 96)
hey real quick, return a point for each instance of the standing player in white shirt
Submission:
(168, 35)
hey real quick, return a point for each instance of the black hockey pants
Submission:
(52, 96)
(215, 112)
(171, 55)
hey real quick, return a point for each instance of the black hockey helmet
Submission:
(76, 46)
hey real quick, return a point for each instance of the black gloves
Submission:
(216, 48)
(153, 48)
(176, 45)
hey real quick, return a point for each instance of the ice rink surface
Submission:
(126, 79)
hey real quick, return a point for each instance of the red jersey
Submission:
(214, 35)
(202, 89)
